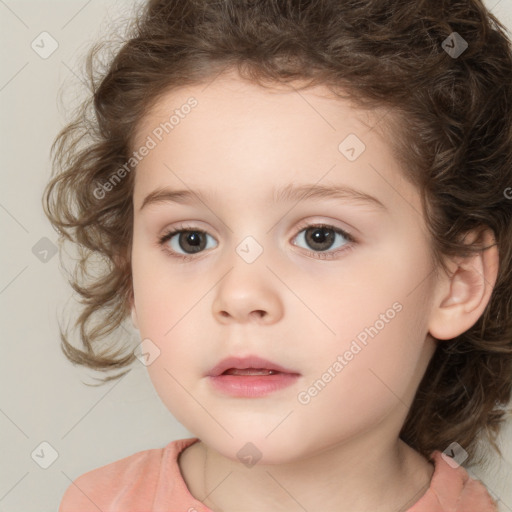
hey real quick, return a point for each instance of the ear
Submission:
(462, 297)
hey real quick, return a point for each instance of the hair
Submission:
(448, 119)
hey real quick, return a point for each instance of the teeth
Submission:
(249, 371)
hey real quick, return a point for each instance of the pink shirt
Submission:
(151, 481)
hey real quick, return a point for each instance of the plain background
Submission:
(43, 397)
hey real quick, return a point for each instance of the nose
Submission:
(248, 293)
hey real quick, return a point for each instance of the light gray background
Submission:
(43, 397)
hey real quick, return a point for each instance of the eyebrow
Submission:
(285, 194)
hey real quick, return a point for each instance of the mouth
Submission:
(249, 371)
(250, 377)
(248, 366)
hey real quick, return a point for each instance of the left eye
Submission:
(322, 237)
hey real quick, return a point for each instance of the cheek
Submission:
(162, 296)
(177, 372)
(381, 328)
(379, 381)
(175, 394)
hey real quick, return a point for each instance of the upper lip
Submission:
(247, 362)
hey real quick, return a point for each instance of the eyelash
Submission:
(325, 255)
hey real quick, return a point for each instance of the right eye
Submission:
(190, 239)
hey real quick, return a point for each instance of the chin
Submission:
(254, 448)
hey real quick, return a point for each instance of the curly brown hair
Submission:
(449, 109)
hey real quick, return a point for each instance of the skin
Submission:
(341, 451)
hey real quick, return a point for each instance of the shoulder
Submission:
(126, 484)
(100, 487)
(452, 489)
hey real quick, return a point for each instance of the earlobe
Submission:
(463, 296)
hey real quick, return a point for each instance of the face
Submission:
(334, 288)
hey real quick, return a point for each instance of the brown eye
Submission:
(319, 238)
(322, 238)
(188, 241)
(191, 241)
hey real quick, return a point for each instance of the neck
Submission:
(387, 477)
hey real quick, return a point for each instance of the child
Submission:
(306, 209)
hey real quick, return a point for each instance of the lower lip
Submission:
(252, 386)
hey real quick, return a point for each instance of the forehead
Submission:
(229, 94)
(241, 138)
